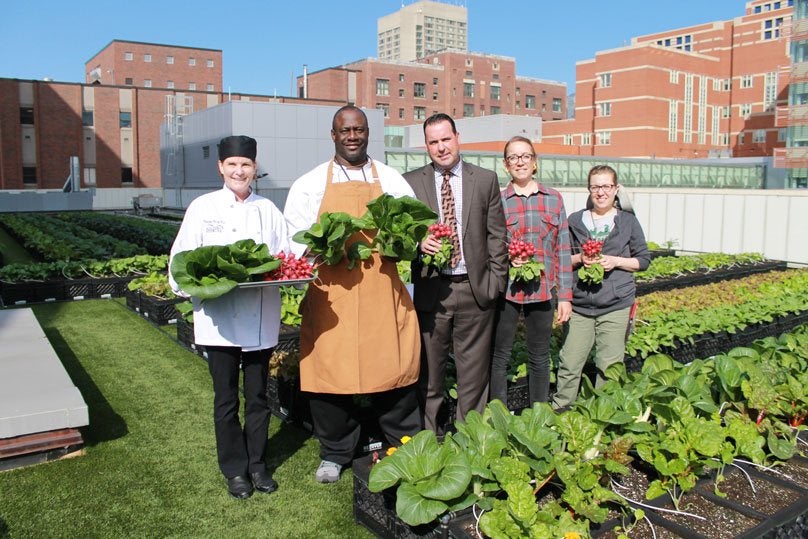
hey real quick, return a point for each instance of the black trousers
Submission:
(240, 450)
(337, 425)
(539, 327)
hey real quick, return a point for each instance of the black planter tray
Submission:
(31, 292)
(711, 344)
(97, 287)
(157, 310)
(701, 278)
(377, 510)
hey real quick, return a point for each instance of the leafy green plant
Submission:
(326, 239)
(401, 222)
(154, 284)
(213, 270)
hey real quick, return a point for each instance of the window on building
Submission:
(605, 80)
(716, 85)
(169, 84)
(544, 107)
(126, 175)
(382, 87)
(435, 80)
(746, 110)
(468, 89)
(124, 119)
(495, 91)
(128, 56)
(419, 89)
(770, 91)
(401, 77)
(673, 120)
(530, 101)
(29, 175)
(209, 87)
(725, 112)
(781, 134)
(746, 81)
(192, 86)
(604, 138)
(495, 110)
(401, 113)
(191, 61)
(147, 57)
(567, 140)
(169, 59)
(674, 77)
(605, 109)
(727, 85)
(209, 62)
(556, 104)
(586, 139)
(434, 96)
(725, 139)
(419, 113)
(771, 28)
(518, 104)
(147, 83)
(741, 138)
(468, 110)
(27, 115)
(87, 118)
(385, 108)
(759, 136)
(401, 92)
(128, 81)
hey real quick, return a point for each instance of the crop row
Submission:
(51, 239)
(670, 266)
(115, 267)
(155, 238)
(543, 473)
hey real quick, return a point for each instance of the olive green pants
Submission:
(607, 332)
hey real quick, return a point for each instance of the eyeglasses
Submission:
(604, 188)
(513, 159)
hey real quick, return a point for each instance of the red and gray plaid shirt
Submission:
(540, 219)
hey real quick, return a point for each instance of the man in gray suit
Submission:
(456, 305)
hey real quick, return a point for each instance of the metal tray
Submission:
(286, 282)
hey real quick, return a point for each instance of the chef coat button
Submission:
(234, 230)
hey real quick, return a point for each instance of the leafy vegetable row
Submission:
(671, 266)
(548, 474)
(154, 237)
(116, 267)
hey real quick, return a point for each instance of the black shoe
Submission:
(263, 482)
(239, 487)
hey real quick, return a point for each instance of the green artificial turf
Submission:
(150, 464)
(12, 251)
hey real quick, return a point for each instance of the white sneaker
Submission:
(328, 472)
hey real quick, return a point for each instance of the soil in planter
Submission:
(719, 522)
(794, 470)
(768, 498)
(641, 529)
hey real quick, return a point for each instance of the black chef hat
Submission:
(237, 146)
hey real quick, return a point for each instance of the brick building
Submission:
(459, 83)
(112, 122)
(705, 90)
(152, 65)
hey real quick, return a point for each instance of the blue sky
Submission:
(266, 42)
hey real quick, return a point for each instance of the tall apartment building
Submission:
(422, 28)
(461, 84)
(152, 65)
(706, 90)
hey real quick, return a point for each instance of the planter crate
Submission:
(31, 292)
(185, 336)
(91, 288)
(160, 311)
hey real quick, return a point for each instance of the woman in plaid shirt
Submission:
(535, 214)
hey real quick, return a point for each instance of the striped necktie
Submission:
(449, 218)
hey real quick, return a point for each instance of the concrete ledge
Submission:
(36, 393)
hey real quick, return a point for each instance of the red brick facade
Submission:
(709, 89)
(456, 83)
(131, 63)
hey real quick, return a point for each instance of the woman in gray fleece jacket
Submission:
(600, 311)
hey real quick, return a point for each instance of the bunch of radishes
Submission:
(441, 259)
(593, 274)
(291, 268)
(529, 269)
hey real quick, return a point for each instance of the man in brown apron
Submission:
(359, 333)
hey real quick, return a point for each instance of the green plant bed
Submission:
(703, 277)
